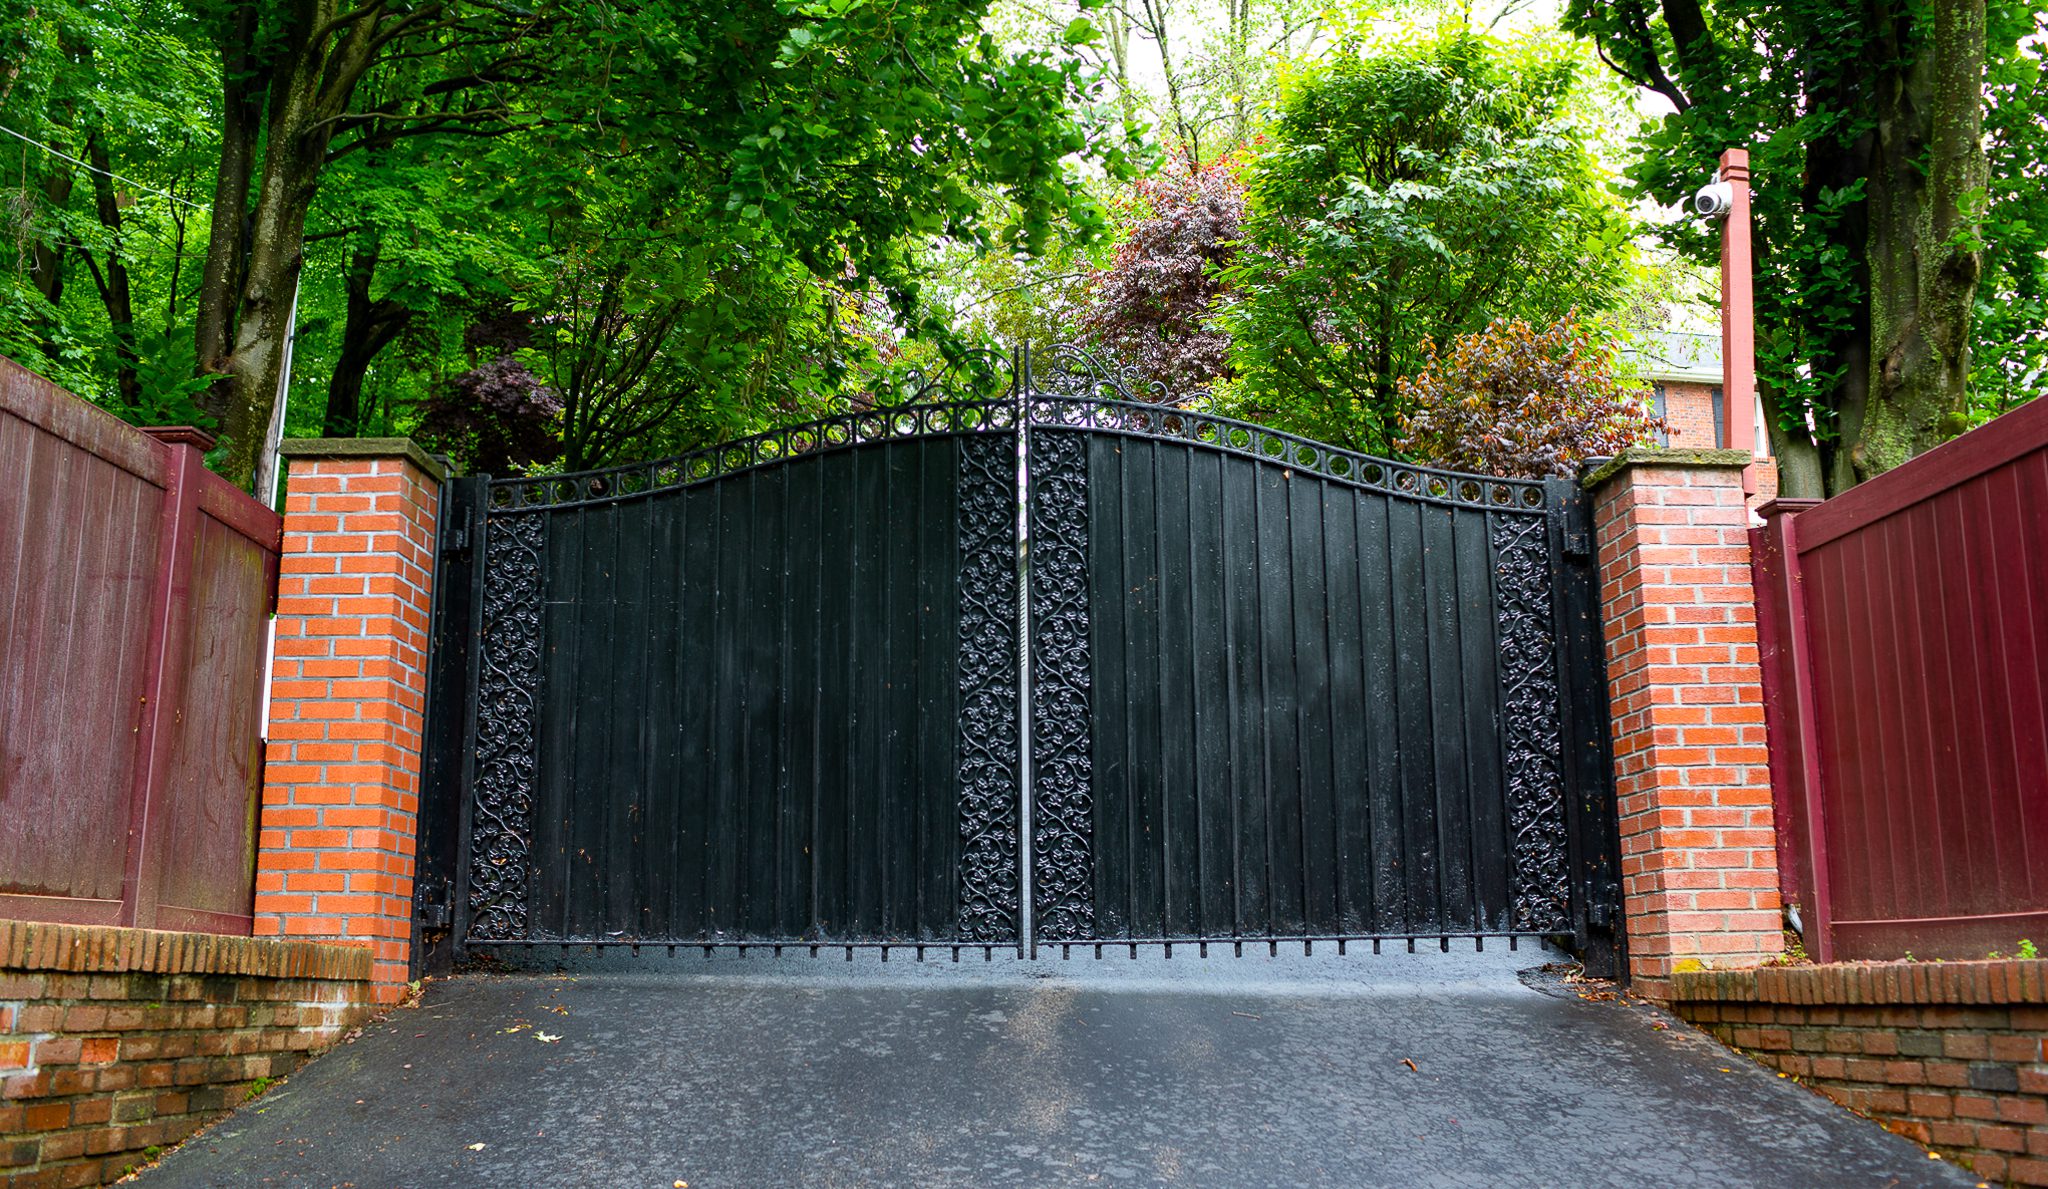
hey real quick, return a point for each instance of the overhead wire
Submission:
(26, 139)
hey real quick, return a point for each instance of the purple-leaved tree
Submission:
(497, 417)
(1153, 308)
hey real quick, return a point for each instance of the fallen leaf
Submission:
(546, 1038)
(476, 1147)
(1410, 1064)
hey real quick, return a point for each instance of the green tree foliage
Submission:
(402, 168)
(1513, 400)
(99, 295)
(1412, 194)
(1870, 182)
(2009, 353)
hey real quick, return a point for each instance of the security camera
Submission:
(1714, 200)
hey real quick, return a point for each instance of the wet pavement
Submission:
(1433, 1069)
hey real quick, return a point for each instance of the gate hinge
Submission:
(1577, 542)
(431, 913)
(1570, 508)
(1578, 526)
(1600, 912)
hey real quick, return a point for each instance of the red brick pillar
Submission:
(342, 781)
(1698, 854)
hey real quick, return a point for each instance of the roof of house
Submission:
(1681, 355)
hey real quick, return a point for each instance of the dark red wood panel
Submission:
(134, 592)
(1914, 634)
(78, 536)
(215, 777)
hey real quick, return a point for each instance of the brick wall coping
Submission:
(35, 945)
(1873, 984)
(404, 448)
(1665, 456)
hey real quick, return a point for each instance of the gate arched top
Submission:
(1060, 388)
(1068, 387)
(1140, 420)
(809, 440)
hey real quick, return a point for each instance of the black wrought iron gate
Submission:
(865, 682)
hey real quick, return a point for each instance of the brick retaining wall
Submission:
(115, 1041)
(1952, 1054)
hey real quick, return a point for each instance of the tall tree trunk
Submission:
(1929, 161)
(1800, 471)
(243, 83)
(46, 258)
(318, 62)
(291, 174)
(1240, 15)
(1833, 167)
(370, 326)
(1116, 27)
(115, 291)
(1156, 20)
(1384, 389)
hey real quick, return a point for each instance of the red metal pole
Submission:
(1738, 315)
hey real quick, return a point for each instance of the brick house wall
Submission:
(1688, 408)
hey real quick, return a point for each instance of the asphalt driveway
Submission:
(1425, 1070)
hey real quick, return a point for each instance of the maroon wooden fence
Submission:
(134, 592)
(1904, 630)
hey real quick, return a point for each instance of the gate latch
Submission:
(456, 539)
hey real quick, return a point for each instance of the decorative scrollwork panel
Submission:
(508, 697)
(1062, 773)
(990, 750)
(1532, 739)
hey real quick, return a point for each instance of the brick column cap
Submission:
(404, 448)
(1667, 457)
